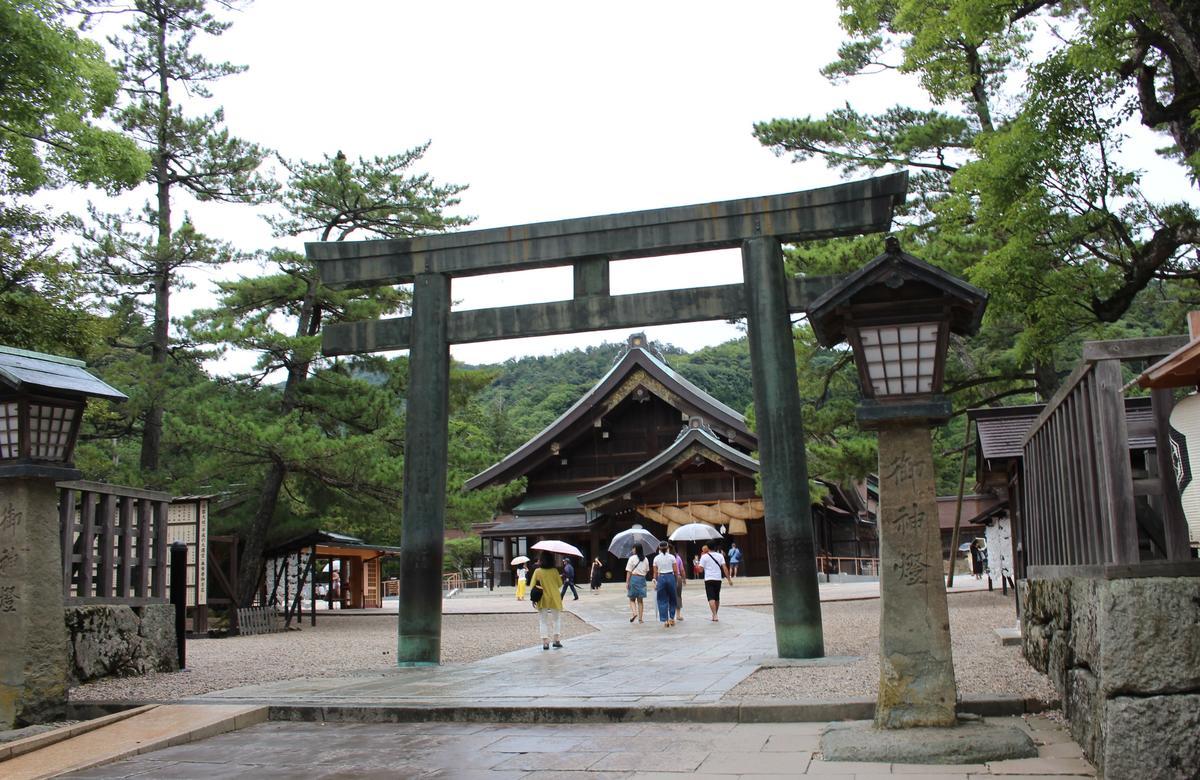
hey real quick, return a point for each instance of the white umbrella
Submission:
(555, 546)
(693, 532)
(622, 544)
(520, 559)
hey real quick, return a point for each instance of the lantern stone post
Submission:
(42, 399)
(897, 312)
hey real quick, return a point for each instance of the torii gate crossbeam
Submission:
(765, 297)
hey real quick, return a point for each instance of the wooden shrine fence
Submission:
(1077, 503)
(114, 544)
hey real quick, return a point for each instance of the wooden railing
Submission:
(1077, 506)
(862, 567)
(114, 544)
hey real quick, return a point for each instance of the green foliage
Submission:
(140, 255)
(1016, 186)
(460, 555)
(333, 198)
(55, 86)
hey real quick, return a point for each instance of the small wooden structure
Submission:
(294, 567)
(1082, 474)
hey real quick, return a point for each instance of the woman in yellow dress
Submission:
(521, 572)
(550, 607)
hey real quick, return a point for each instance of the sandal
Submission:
(557, 644)
(632, 618)
(545, 646)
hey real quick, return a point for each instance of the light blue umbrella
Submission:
(622, 544)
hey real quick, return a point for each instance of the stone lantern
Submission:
(42, 398)
(898, 312)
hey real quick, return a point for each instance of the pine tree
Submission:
(143, 254)
(307, 435)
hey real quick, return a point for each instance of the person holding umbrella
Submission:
(666, 569)
(635, 582)
(521, 572)
(550, 606)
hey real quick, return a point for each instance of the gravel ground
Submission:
(334, 647)
(851, 628)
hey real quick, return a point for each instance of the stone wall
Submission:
(1125, 658)
(121, 641)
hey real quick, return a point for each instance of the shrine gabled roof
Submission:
(696, 442)
(523, 459)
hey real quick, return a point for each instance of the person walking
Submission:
(547, 581)
(568, 575)
(635, 583)
(714, 566)
(597, 574)
(735, 559)
(521, 572)
(665, 575)
(680, 581)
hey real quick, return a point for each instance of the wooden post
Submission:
(962, 478)
(423, 517)
(87, 542)
(1113, 454)
(788, 518)
(108, 506)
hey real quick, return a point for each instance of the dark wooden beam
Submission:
(841, 210)
(725, 302)
(1133, 349)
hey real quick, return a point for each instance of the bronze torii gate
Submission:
(766, 297)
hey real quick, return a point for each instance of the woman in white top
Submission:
(665, 571)
(635, 582)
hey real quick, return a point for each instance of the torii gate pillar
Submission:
(790, 550)
(425, 450)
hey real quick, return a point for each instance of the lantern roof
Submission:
(896, 279)
(37, 372)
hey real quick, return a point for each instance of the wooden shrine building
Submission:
(642, 446)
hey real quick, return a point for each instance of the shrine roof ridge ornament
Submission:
(845, 209)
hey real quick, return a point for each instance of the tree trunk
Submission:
(268, 498)
(161, 339)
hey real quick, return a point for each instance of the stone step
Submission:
(1009, 636)
(153, 729)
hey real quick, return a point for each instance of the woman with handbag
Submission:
(544, 589)
(635, 582)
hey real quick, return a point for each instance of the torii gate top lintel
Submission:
(589, 243)
(842, 209)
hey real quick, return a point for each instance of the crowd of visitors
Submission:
(547, 584)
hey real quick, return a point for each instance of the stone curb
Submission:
(41, 768)
(744, 712)
(38, 741)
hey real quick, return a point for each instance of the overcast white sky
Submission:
(547, 110)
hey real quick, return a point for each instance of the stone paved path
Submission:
(468, 751)
(696, 662)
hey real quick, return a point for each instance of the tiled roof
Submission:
(518, 462)
(1001, 431)
(537, 524)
